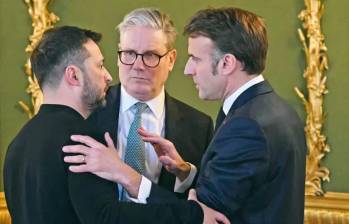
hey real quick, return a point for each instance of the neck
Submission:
(61, 98)
(235, 82)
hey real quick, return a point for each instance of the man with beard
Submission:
(69, 67)
(38, 187)
(254, 168)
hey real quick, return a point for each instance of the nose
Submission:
(138, 63)
(189, 68)
(108, 77)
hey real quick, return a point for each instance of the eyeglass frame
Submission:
(142, 55)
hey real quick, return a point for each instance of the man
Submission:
(254, 168)
(38, 187)
(69, 67)
(146, 56)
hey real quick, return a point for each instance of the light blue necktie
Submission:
(135, 147)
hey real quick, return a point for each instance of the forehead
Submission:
(142, 39)
(200, 46)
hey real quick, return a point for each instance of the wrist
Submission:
(131, 182)
(184, 171)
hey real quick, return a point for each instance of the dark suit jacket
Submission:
(254, 169)
(40, 190)
(189, 129)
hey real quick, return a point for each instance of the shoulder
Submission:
(268, 110)
(240, 126)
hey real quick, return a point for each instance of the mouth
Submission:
(106, 88)
(139, 79)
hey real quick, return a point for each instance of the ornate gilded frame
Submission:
(316, 58)
(314, 74)
(332, 207)
(42, 20)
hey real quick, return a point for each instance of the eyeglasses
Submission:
(149, 59)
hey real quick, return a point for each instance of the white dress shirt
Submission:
(153, 121)
(228, 102)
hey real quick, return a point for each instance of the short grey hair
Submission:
(152, 18)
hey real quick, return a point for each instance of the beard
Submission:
(92, 97)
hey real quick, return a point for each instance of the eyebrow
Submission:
(193, 56)
(155, 51)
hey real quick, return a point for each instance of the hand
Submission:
(210, 215)
(102, 161)
(167, 154)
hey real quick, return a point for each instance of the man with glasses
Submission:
(254, 168)
(149, 59)
(146, 56)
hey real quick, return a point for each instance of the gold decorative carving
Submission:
(316, 59)
(42, 20)
(5, 217)
(333, 208)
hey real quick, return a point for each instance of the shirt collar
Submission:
(232, 98)
(156, 105)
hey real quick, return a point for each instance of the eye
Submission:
(150, 56)
(128, 53)
(194, 59)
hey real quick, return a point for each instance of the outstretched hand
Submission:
(101, 160)
(167, 154)
(94, 156)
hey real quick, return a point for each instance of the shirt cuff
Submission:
(182, 186)
(144, 191)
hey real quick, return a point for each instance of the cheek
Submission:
(122, 72)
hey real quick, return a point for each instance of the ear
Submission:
(172, 58)
(72, 75)
(228, 64)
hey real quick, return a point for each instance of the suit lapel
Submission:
(172, 120)
(255, 90)
(108, 117)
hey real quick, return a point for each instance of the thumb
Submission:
(192, 195)
(108, 140)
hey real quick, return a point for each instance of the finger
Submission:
(81, 149)
(79, 169)
(192, 195)
(158, 150)
(221, 219)
(109, 140)
(74, 159)
(87, 140)
(157, 141)
(167, 161)
(145, 133)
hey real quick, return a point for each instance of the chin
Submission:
(205, 97)
(139, 90)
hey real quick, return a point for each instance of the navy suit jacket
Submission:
(254, 169)
(189, 129)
